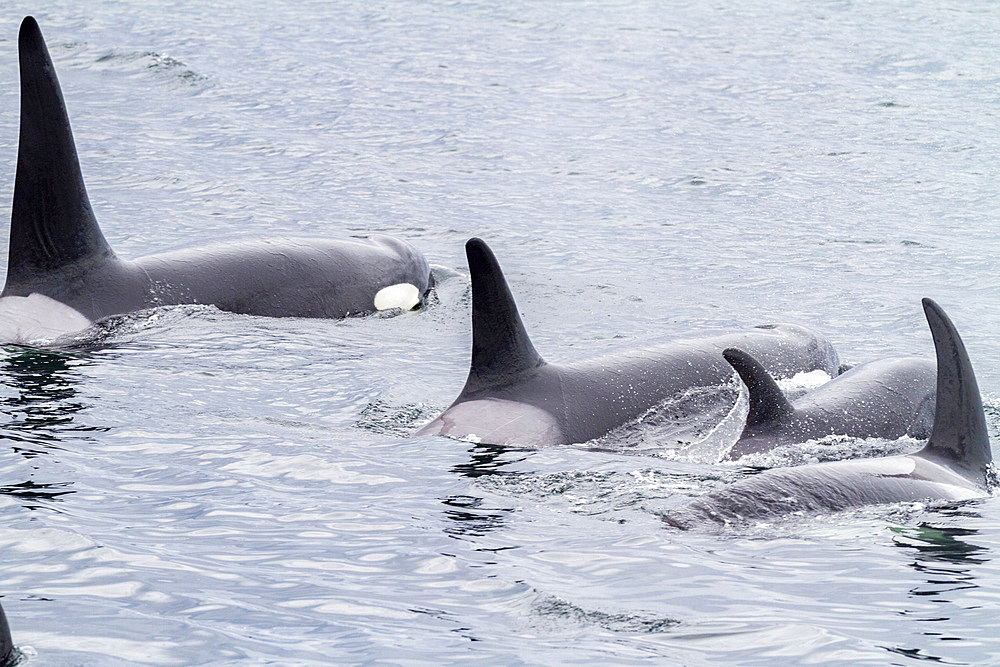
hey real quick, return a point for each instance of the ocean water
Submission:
(206, 488)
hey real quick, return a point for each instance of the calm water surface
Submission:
(205, 488)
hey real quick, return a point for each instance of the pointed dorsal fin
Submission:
(501, 349)
(6, 643)
(767, 402)
(959, 436)
(52, 224)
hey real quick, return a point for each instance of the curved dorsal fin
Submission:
(767, 402)
(52, 224)
(501, 349)
(959, 434)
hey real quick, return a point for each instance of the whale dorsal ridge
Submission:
(959, 436)
(52, 223)
(501, 349)
(768, 404)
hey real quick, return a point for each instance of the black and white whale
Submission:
(62, 275)
(952, 466)
(887, 399)
(6, 642)
(512, 396)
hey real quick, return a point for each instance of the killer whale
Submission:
(512, 396)
(62, 274)
(888, 398)
(6, 642)
(952, 466)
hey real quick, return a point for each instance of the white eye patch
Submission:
(402, 295)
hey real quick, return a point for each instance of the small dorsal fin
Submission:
(501, 349)
(767, 402)
(52, 224)
(6, 643)
(959, 436)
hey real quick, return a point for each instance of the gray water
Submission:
(206, 488)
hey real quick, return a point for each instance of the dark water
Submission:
(210, 488)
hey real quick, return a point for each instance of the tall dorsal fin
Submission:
(52, 224)
(959, 436)
(6, 643)
(501, 349)
(767, 402)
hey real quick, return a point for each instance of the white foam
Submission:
(401, 295)
(36, 318)
(804, 381)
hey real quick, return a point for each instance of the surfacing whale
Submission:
(62, 275)
(512, 396)
(887, 399)
(952, 466)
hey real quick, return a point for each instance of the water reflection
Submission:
(470, 516)
(946, 560)
(941, 544)
(472, 519)
(40, 401)
(490, 460)
(916, 654)
(33, 491)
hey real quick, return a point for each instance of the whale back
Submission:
(501, 349)
(958, 437)
(52, 223)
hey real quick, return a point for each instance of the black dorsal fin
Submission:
(959, 436)
(767, 402)
(501, 349)
(6, 643)
(52, 224)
